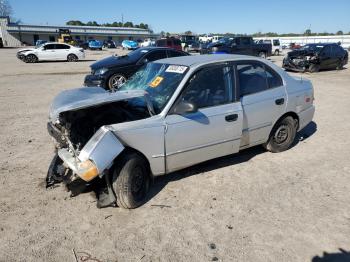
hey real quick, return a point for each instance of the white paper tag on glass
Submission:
(176, 69)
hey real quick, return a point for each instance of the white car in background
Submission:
(147, 43)
(51, 52)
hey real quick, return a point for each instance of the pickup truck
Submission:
(238, 45)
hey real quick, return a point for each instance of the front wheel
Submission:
(262, 54)
(116, 81)
(131, 181)
(277, 52)
(314, 68)
(282, 135)
(31, 59)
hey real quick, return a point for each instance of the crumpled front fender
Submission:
(101, 150)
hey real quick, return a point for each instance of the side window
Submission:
(161, 43)
(273, 78)
(245, 41)
(173, 53)
(156, 55)
(252, 78)
(49, 47)
(327, 51)
(210, 87)
(60, 46)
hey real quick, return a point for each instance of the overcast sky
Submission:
(202, 16)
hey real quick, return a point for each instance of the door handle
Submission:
(231, 118)
(279, 101)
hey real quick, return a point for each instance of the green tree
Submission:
(75, 22)
(188, 32)
(5, 8)
(340, 32)
(307, 32)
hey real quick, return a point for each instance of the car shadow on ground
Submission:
(210, 165)
(65, 61)
(342, 256)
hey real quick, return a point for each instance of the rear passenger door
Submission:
(326, 59)
(62, 51)
(263, 98)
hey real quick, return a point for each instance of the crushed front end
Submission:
(85, 143)
(299, 60)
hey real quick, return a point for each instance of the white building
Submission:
(15, 35)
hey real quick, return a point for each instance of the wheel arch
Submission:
(290, 113)
(129, 150)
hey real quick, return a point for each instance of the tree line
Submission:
(114, 24)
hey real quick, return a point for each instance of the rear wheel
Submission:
(277, 52)
(72, 58)
(31, 59)
(131, 181)
(340, 65)
(262, 54)
(282, 135)
(116, 81)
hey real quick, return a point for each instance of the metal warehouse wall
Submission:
(7, 39)
(302, 40)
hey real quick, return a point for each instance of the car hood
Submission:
(301, 52)
(112, 61)
(25, 50)
(75, 99)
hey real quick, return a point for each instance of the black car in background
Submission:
(314, 57)
(242, 45)
(111, 72)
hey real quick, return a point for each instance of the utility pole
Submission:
(122, 19)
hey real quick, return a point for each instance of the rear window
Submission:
(161, 43)
(177, 42)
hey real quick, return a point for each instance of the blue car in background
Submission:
(95, 45)
(129, 44)
(40, 42)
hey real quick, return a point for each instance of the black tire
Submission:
(31, 58)
(131, 181)
(72, 58)
(277, 52)
(115, 81)
(340, 65)
(262, 54)
(314, 68)
(282, 135)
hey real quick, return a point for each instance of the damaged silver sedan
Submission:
(172, 114)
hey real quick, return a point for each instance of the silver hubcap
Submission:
(116, 81)
(281, 134)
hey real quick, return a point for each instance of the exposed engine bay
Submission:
(300, 60)
(77, 130)
(78, 126)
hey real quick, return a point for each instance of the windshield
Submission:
(158, 80)
(316, 48)
(136, 54)
(224, 40)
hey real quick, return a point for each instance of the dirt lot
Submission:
(254, 206)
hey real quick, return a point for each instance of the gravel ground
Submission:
(253, 206)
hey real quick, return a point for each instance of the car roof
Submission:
(194, 60)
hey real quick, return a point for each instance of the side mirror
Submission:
(185, 107)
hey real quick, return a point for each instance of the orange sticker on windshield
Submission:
(156, 81)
